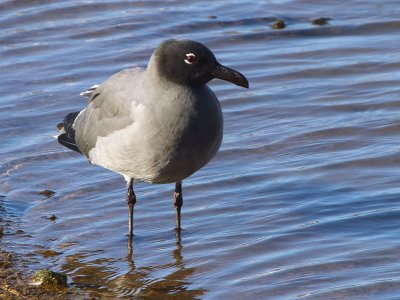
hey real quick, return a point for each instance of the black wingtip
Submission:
(67, 139)
(64, 140)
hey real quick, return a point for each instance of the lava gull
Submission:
(156, 125)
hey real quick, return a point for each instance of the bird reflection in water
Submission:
(99, 278)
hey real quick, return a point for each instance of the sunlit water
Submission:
(302, 200)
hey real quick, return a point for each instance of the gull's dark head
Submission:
(193, 64)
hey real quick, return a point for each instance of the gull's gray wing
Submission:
(111, 108)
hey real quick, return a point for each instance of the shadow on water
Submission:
(157, 281)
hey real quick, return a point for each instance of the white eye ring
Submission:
(190, 58)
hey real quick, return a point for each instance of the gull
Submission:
(158, 124)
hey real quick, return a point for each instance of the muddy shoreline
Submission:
(15, 278)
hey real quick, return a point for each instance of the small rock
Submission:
(52, 217)
(47, 193)
(279, 24)
(212, 17)
(320, 21)
(49, 280)
(1, 231)
(47, 253)
(19, 231)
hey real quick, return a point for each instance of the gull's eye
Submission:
(190, 58)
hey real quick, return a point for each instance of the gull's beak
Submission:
(230, 75)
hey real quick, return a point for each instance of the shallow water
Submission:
(300, 202)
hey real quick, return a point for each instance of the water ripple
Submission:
(300, 202)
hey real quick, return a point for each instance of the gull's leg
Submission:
(178, 202)
(130, 200)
